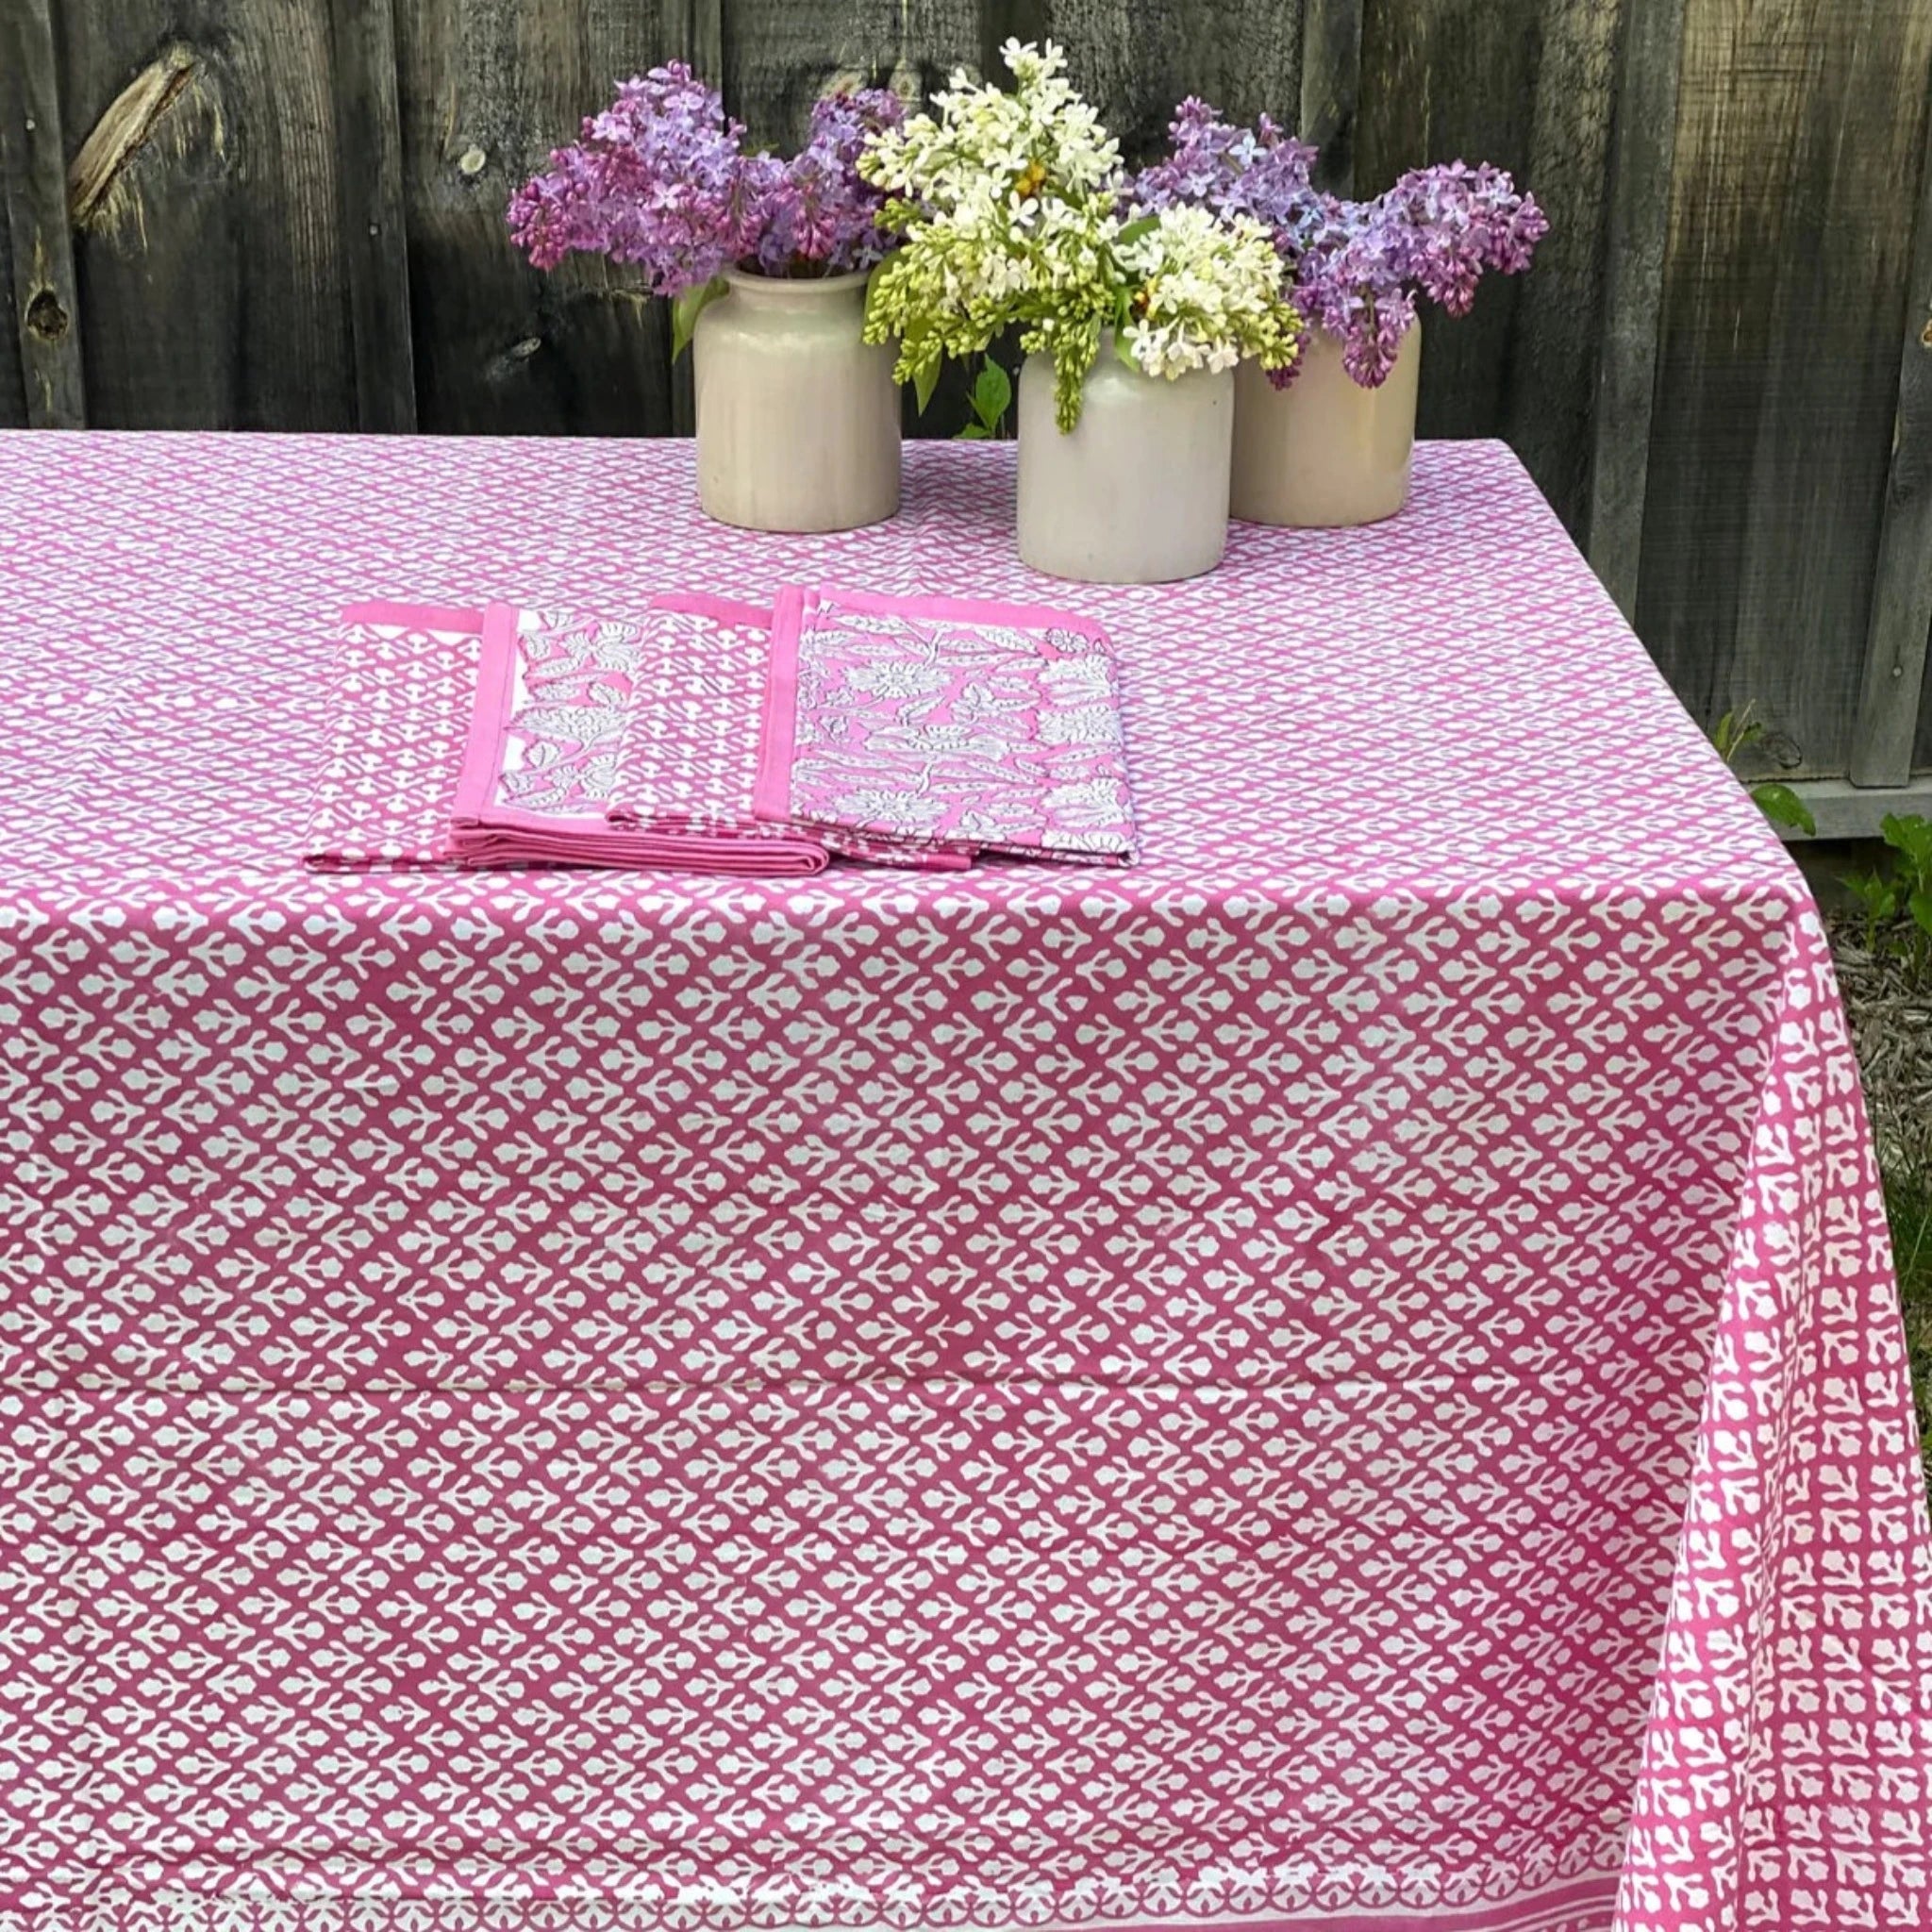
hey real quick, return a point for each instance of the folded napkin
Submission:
(404, 687)
(705, 735)
(622, 742)
(944, 726)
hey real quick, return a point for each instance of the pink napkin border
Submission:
(496, 691)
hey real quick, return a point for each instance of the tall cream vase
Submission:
(1325, 452)
(798, 419)
(1137, 494)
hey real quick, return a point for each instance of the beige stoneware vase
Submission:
(1325, 452)
(1138, 492)
(798, 420)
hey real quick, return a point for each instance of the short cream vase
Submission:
(798, 417)
(1137, 492)
(1325, 452)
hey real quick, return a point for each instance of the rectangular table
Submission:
(1347, 1375)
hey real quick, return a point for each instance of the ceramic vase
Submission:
(798, 419)
(1137, 494)
(1325, 452)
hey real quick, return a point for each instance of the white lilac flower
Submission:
(1011, 209)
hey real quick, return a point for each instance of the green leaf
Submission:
(1921, 905)
(1721, 737)
(1873, 894)
(992, 395)
(1143, 224)
(1911, 835)
(687, 308)
(975, 432)
(1783, 807)
(926, 378)
(1124, 351)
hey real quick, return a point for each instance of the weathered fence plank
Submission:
(1524, 84)
(1137, 61)
(1549, 409)
(1800, 130)
(1894, 671)
(1331, 88)
(1001, 21)
(486, 88)
(777, 60)
(697, 29)
(374, 247)
(45, 331)
(1639, 178)
(12, 397)
(204, 193)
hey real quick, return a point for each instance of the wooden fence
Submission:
(288, 214)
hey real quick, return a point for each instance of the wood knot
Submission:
(45, 316)
(130, 121)
(1925, 333)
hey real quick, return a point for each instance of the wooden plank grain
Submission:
(1893, 682)
(1799, 128)
(13, 395)
(779, 58)
(374, 243)
(1137, 58)
(1525, 83)
(205, 197)
(1645, 143)
(44, 339)
(485, 89)
(1331, 88)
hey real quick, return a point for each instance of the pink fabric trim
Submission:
(1583, 1905)
(419, 616)
(724, 610)
(962, 610)
(495, 682)
(771, 798)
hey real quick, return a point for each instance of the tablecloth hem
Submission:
(1581, 1905)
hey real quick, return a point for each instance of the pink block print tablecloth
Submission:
(1342, 1374)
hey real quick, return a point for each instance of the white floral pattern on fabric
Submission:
(945, 723)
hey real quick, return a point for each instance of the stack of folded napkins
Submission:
(708, 736)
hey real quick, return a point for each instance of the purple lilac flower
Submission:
(1261, 172)
(1355, 268)
(817, 214)
(661, 179)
